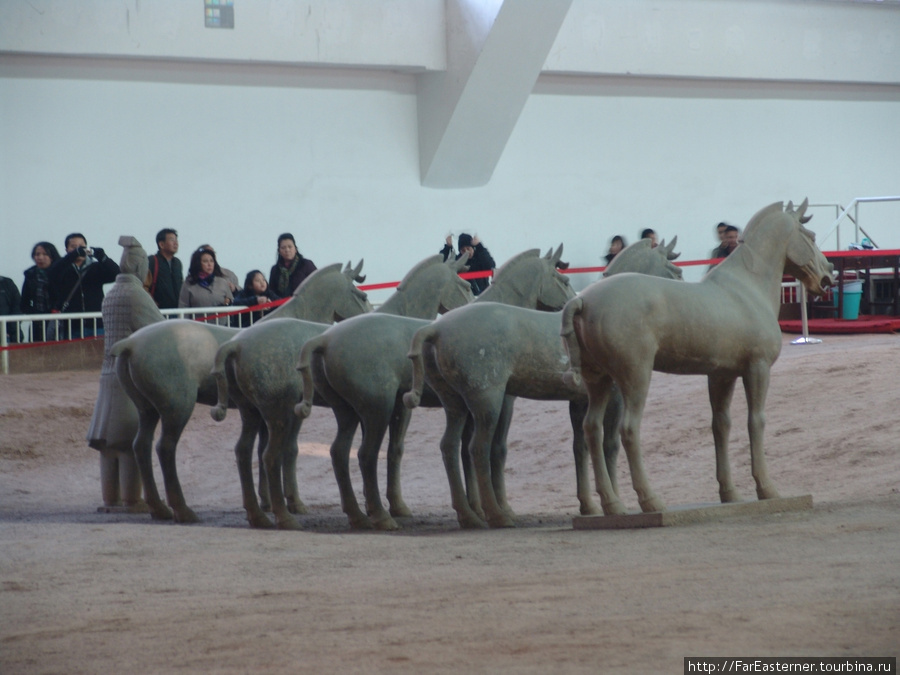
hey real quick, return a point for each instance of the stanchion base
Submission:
(806, 341)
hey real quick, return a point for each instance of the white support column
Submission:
(467, 113)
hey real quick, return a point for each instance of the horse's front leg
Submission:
(634, 395)
(721, 390)
(756, 386)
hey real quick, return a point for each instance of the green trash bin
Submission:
(852, 292)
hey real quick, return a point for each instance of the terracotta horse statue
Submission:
(253, 369)
(479, 358)
(165, 370)
(362, 372)
(725, 326)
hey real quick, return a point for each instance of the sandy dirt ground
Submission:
(90, 592)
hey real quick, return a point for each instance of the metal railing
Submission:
(851, 213)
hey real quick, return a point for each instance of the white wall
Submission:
(234, 154)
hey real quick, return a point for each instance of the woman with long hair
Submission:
(37, 289)
(205, 285)
(290, 268)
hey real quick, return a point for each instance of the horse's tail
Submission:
(123, 348)
(413, 397)
(224, 357)
(572, 309)
(311, 347)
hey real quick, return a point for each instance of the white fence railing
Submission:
(50, 328)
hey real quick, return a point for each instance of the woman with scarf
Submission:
(205, 285)
(36, 297)
(290, 268)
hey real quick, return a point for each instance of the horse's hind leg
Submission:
(396, 438)
(347, 423)
(173, 424)
(499, 451)
(612, 428)
(453, 439)
(486, 408)
(375, 418)
(577, 413)
(283, 430)
(289, 472)
(634, 395)
(598, 396)
(721, 390)
(756, 386)
(251, 422)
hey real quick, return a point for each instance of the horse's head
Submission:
(457, 292)
(531, 281)
(432, 286)
(328, 294)
(641, 258)
(804, 261)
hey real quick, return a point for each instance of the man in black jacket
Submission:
(480, 259)
(77, 281)
(166, 272)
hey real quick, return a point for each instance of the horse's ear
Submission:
(556, 256)
(802, 210)
(459, 265)
(670, 249)
(549, 253)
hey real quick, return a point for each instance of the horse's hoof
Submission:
(502, 519)
(730, 496)
(399, 509)
(259, 521)
(385, 522)
(652, 505)
(589, 508)
(161, 512)
(767, 492)
(360, 522)
(297, 507)
(137, 507)
(287, 522)
(469, 520)
(186, 516)
(616, 508)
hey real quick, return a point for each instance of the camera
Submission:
(84, 251)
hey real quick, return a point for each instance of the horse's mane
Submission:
(428, 262)
(517, 260)
(762, 214)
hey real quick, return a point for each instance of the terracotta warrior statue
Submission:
(126, 308)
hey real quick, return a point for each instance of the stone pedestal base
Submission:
(692, 513)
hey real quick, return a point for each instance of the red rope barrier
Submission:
(866, 253)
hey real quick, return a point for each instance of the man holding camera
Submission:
(77, 281)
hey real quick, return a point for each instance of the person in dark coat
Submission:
(10, 303)
(36, 289)
(166, 271)
(290, 268)
(77, 280)
(480, 259)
